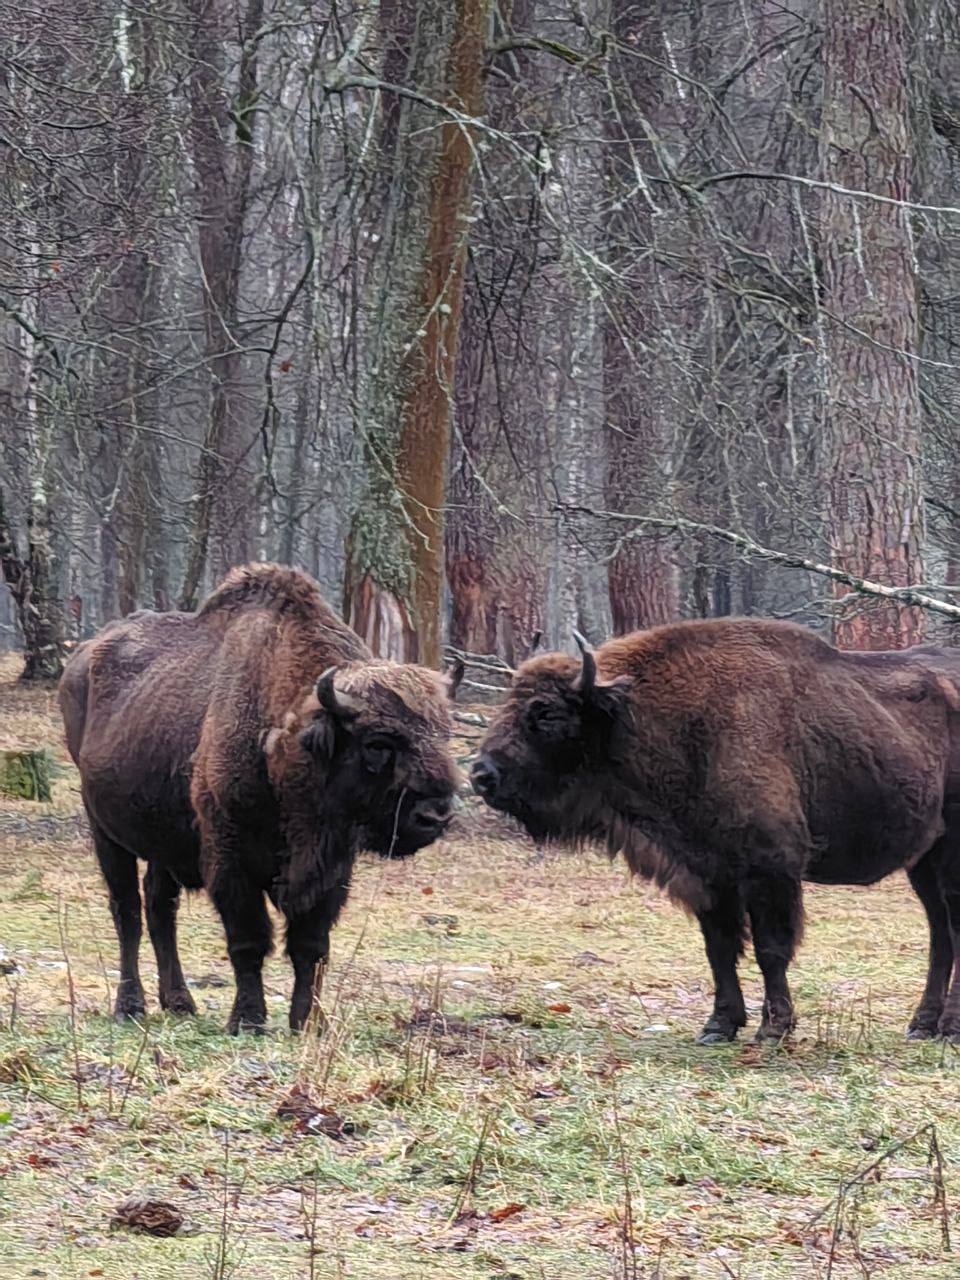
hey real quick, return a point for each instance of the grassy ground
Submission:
(556, 1120)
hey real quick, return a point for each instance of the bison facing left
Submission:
(732, 759)
(251, 748)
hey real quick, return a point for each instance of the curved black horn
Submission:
(455, 673)
(588, 671)
(332, 700)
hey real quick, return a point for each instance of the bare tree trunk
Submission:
(496, 552)
(394, 578)
(223, 506)
(643, 579)
(870, 298)
(32, 584)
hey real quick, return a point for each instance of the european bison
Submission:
(729, 760)
(251, 748)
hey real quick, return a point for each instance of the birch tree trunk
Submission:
(28, 569)
(572, 339)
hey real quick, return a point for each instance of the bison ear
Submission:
(586, 677)
(340, 705)
(454, 676)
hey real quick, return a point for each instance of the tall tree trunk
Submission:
(496, 552)
(32, 584)
(571, 334)
(224, 510)
(31, 575)
(870, 299)
(394, 582)
(643, 579)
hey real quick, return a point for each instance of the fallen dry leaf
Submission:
(152, 1217)
(508, 1211)
(311, 1117)
(38, 1161)
(560, 1007)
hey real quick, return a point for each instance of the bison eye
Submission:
(544, 716)
(377, 754)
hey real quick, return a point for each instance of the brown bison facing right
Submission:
(251, 748)
(732, 759)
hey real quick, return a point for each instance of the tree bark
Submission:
(643, 579)
(394, 582)
(32, 584)
(223, 510)
(875, 499)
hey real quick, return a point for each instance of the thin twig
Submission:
(61, 925)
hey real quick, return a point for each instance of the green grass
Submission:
(722, 1157)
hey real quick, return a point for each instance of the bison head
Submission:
(378, 731)
(543, 758)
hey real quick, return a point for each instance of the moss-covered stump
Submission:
(25, 773)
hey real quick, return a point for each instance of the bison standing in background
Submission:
(251, 748)
(732, 759)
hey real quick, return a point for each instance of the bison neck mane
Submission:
(324, 848)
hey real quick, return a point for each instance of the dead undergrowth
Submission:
(507, 1085)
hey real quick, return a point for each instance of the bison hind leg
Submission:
(723, 926)
(775, 903)
(119, 868)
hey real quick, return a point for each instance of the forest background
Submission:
(497, 317)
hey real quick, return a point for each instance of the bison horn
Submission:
(336, 703)
(588, 672)
(455, 674)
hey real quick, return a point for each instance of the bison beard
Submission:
(732, 759)
(252, 748)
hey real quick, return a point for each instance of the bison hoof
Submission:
(315, 1022)
(922, 1033)
(129, 1008)
(773, 1031)
(130, 1014)
(713, 1034)
(178, 1002)
(249, 1026)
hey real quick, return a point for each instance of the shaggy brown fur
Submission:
(207, 745)
(731, 759)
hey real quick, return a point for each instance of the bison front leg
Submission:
(240, 903)
(308, 946)
(120, 872)
(722, 926)
(925, 1023)
(162, 895)
(945, 861)
(775, 903)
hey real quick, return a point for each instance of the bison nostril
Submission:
(432, 814)
(484, 775)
